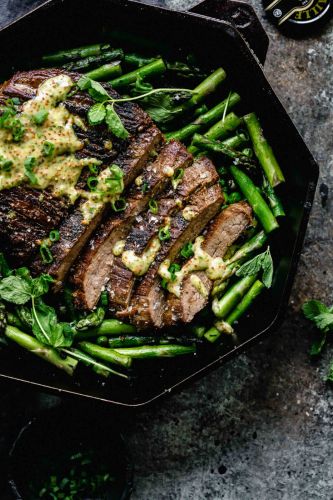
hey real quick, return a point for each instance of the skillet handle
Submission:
(242, 16)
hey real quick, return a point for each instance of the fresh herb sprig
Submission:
(261, 262)
(158, 101)
(322, 317)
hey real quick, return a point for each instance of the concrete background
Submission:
(260, 427)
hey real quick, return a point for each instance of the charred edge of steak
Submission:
(202, 173)
(147, 305)
(223, 231)
(99, 253)
(26, 217)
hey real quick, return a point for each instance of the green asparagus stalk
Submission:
(107, 327)
(109, 355)
(273, 199)
(236, 141)
(207, 118)
(157, 351)
(137, 61)
(48, 353)
(94, 61)
(219, 147)
(200, 111)
(253, 196)
(105, 72)
(136, 340)
(13, 320)
(220, 130)
(64, 56)
(263, 150)
(154, 68)
(246, 302)
(222, 307)
(99, 368)
(250, 246)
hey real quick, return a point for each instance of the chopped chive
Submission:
(92, 183)
(45, 254)
(48, 148)
(29, 164)
(164, 233)
(119, 205)
(54, 236)
(187, 251)
(153, 206)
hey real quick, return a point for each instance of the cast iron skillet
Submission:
(65, 23)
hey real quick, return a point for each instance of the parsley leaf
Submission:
(114, 123)
(96, 114)
(313, 308)
(322, 317)
(263, 262)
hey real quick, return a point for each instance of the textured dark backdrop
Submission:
(261, 427)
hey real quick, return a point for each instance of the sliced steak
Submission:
(223, 231)
(202, 173)
(94, 268)
(130, 155)
(147, 306)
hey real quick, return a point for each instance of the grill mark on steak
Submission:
(94, 269)
(202, 173)
(129, 155)
(223, 231)
(147, 305)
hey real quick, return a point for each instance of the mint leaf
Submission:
(46, 327)
(96, 114)
(41, 285)
(263, 262)
(313, 308)
(114, 123)
(98, 92)
(84, 83)
(15, 290)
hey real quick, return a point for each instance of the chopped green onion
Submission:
(93, 169)
(29, 164)
(54, 236)
(45, 254)
(104, 298)
(144, 187)
(119, 205)
(164, 233)
(5, 164)
(179, 174)
(92, 183)
(48, 148)
(187, 251)
(116, 172)
(153, 206)
(40, 117)
(173, 269)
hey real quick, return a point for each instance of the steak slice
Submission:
(202, 173)
(223, 231)
(94, 268)
(147, 305)
(129, 154)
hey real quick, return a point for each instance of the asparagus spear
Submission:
(253, 196)
(263, 150)
(94, 61)
(48, 353)
(110, 70)
(137, 61)
(219, 147)
(63, 56)
(99, 368)
(107, 327)
(222, 307)
(152, 69)
(273, 199)
(220, 130)
(136, 340)
(157, 351)
(214, 333)
(236, 141)
(109, 355)
(207, 118)
(246, 302)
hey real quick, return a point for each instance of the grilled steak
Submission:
(223, 231)
(94, 268)
(130, 155)
(147, 306)
(202, 173)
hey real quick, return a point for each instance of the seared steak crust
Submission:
(126, 154)
(223, 231)
(147, 305)
(202, 173)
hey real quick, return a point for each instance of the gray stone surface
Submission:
(260, 427)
